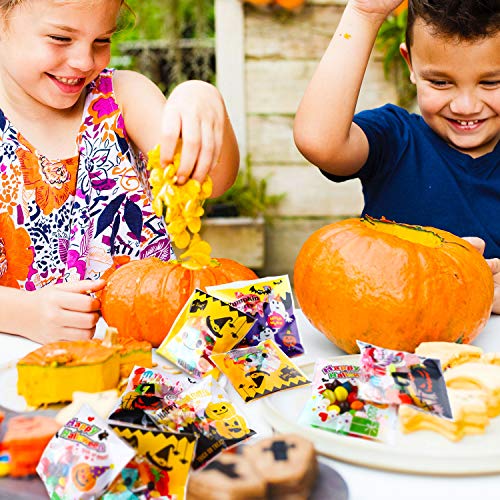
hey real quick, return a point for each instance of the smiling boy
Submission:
(440, 168)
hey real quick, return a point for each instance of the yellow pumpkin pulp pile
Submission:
(182, 208)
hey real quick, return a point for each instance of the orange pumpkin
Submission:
(393, 285)
(290, 4)
(143, 298)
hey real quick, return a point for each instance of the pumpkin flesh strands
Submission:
(181, 206)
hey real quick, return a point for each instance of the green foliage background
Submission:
(164, 20)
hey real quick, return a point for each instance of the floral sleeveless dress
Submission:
(63, 220)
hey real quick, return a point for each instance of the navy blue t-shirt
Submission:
(414, 176)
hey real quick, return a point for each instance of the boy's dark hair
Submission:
(463, 19)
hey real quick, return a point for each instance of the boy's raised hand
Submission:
(196, 113)
(62, 312)
(494, 264)
(377, 7)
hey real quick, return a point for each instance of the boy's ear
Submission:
(403, 49)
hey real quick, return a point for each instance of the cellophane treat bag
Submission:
(260, 370)
(270, 302)
(148, 389)
(83, 458)
(140, 479)
(206, 325)
(336, 406)
(398, 377)
(218, 422)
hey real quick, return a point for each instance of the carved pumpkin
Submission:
(393, 285)
(143, 298)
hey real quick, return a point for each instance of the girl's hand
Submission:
(494, 264)
(194, 112)
(62, 312)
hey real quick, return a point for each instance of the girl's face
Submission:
(51, 49)
(458, 88)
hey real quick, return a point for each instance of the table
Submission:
(363, 482)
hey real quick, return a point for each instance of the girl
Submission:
(73, 187)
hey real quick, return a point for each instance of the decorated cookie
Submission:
(449, 353)
(229, 476)
(288, 464)
(469, 410)
(479, 376)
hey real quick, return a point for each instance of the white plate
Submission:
(421, 452)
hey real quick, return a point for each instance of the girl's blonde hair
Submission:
(7, 5)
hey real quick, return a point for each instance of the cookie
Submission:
(288, 464)
(470, 414)
(229, 477)
(449, 353)
(492, 358)
(101, 402)
(478, 376)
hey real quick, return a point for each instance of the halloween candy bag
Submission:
(140, 479)
(205, 410)
(335, 404)
(169, 453)
(257, 371)
(83, 458)
(147, 389)
(270, 302)
(398, 377)
(205, 325)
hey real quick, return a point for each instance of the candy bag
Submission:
(83, 458)
(205, 325)
(270, 302)
(147, 389)
(335, 404)
(168, 451)
(398, 377)
(257, 371)
(140, 480)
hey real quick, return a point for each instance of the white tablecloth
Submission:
(363, 483)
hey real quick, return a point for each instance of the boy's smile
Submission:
(458, 88)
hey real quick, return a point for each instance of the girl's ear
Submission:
(403, 49)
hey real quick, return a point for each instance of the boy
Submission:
(439, 169)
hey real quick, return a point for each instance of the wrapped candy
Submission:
(257, 371)
(206, 325)
(398, 377)
(270, 302)
(83, 458)
(336, 406)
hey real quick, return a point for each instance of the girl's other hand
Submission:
(63, 312)
(196, 113)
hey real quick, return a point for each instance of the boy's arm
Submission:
(194, 111)
(323, 129)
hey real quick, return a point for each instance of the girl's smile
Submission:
(50, 50)
(68, 85)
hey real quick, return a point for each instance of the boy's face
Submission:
(458, 88)
(51, 49)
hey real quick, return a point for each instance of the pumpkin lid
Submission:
(74, 353)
